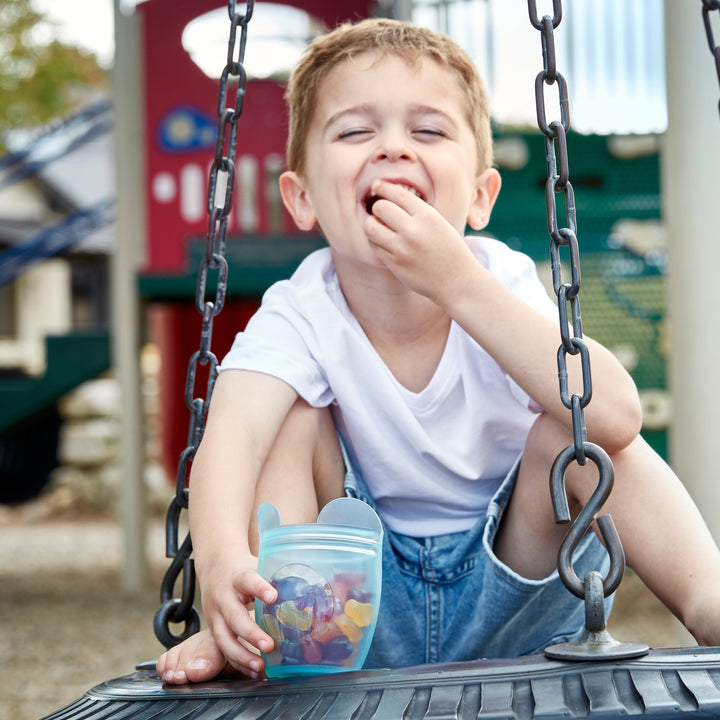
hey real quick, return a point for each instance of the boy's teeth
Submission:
(410, 189)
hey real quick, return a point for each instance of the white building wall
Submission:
(611, 54)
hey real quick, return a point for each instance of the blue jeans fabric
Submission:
(448, 598)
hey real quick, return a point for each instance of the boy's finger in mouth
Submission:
(372, 197)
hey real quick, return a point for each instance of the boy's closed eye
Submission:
(421, 133)
(358, 133)
(429, 132)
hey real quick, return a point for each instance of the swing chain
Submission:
(219, 205)
(571, 334)
(708, 6)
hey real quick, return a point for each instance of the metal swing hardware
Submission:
(181, 610)
(708, 6)
(596, 643)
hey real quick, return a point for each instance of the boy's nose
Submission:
(393, 147)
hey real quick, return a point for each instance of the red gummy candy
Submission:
(324, 632)
(312, 650)
(342, 583)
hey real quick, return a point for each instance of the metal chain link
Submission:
(571, 335)
(219, 204)
(708, 6)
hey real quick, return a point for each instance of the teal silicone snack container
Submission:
(327, 575)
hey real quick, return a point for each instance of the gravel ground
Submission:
(67, 627)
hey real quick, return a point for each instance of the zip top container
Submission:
(327, 575)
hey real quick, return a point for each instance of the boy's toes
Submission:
(206, 667)
(198, 659)
(168, 667)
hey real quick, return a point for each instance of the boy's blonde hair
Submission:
(410, 42)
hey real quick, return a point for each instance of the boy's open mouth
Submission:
(371, 198)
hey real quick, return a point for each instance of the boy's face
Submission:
(379, 118)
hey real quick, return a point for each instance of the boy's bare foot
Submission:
(197, 659)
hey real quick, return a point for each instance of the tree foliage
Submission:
(41, 78)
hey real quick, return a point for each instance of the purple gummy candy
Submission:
(360, 594)
(292, 653)
(289, 588)
(293, 635)
(320, 602)
(339, 648)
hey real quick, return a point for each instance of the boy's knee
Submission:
(547, 437)
(328, 463)
(312, 431)
(305, 457)
(546, 440)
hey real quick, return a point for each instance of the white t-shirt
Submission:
(432, 460)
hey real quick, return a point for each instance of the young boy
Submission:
(415, 368)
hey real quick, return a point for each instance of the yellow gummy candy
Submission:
(349, 628)
(292, 616)
(273, 629)
(361, 613)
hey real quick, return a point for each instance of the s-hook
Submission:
(596, 643)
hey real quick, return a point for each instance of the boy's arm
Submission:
(246, 412)
(431, 258)
(525, 343)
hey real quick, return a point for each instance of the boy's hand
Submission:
(227, 590)
(417, 244)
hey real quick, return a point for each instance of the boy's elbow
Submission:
(623, 426)
(623, 437)
(633, 418)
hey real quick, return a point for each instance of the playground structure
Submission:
(616, 177)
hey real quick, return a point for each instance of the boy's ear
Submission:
(296, 200)
(486, 192)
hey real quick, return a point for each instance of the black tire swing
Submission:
(596, 677)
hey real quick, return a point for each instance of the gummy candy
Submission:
(272, 626)
(274, 658)
(360, 594)
(319, 601)
(314, 622)
(325, 632)
(339, 648)
(343, 582)
(292, 635)
(361, 613)
(292, 653)
(312, 650)
(349, 628)
(289, 588)
(290, 615)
